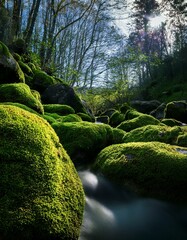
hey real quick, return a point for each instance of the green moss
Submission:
(118, 135)
(16, 56)
(71, 118)
(41, 194)
(171, 122)
(29, 81)
(42, 80)
(152, 133)
(36, 94)
(116, 118)
(25, 68)
(130, 114)
(139, 121)
(22, 106)
(4, 50)
(49, 119)
(21, 93)
(32, 66)
(125, 107)
(151, 169)
(86, 117)
(83, 140)
(10, 70)
(53, 115)
(58, 108)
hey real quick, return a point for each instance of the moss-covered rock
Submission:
(137, 122)
(132, 113)
(20, 93)
(171, 122)
(61, 93)
(116, 118)
(151, 169)
(41, 80)
(152, 133)
(22, 106)
(49, 119)
(60, 109)
(145, 106)
(54, 115)
(25, 68)
(10, 71)
(83, 140)
(41, 194)
(182, 137)
(176, 110)
(71, 118)
(118, 135)
(86, 117)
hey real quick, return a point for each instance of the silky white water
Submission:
(112, 213)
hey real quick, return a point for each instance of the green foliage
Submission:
(152, 169)
(41, 194)
(58, 108)
(20, 93)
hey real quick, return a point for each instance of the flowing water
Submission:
(112, 213)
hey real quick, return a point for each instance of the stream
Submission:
(112, 213)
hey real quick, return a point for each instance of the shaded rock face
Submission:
(145, 106)
(41, 195)
(10, 71)
(62, 94)
(177, 110)
(159, 111)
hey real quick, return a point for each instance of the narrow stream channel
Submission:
(115, 214)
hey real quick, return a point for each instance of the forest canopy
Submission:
(100, 43)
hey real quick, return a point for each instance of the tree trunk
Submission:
(31, 21)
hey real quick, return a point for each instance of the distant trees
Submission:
(79, 42)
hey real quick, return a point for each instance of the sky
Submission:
(124, 22)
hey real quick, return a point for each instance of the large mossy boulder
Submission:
(116, 118)
(83, 140)
(41, 195)
(10, 71)
(137, 122)
(152, 133)
(176, 110)
(41, 80)
(62, 93)
(145, 106)
(20, 93)
(151, 169)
